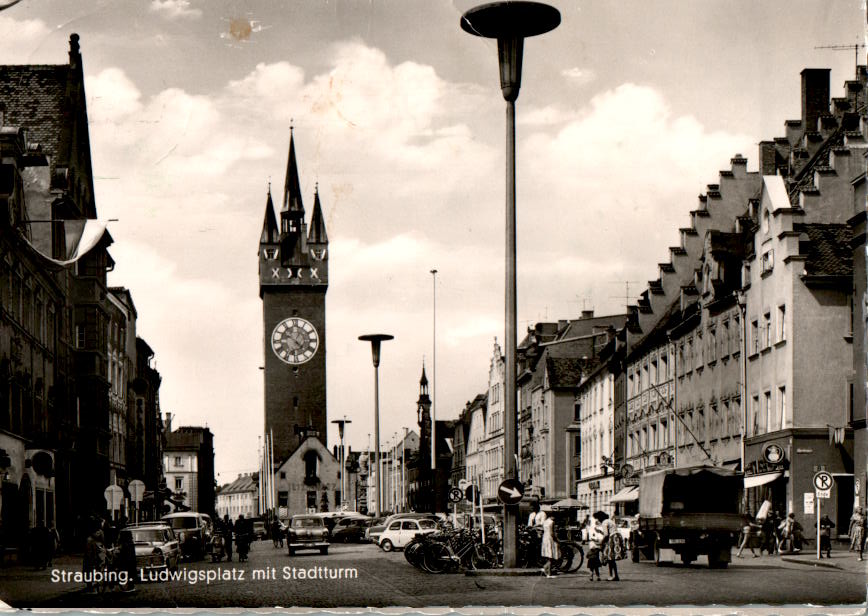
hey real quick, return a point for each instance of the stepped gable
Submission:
(717, 210)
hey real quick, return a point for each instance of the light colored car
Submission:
(374, 532)
(156, 546)
(193, 531)
(307, 532)
(401, 532)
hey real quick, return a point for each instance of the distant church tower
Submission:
(423, 414)
(293, 280)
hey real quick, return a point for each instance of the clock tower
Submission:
(293, 280)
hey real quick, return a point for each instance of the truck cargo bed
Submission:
(726, 522)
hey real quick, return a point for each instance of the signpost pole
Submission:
(818, 499)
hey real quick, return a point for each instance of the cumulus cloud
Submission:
(174, 9)
(410, 174)
(21, 41)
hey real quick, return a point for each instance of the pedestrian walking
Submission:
(826, 526)
(126, 560)
(855, 532)
(227, 536)
(548, 547)
(748, 535)
(94, 557)
(613, 544)
(861, 531)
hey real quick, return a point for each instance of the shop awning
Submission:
(758, 480)
(625, 495)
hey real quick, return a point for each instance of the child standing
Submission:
(595, 539)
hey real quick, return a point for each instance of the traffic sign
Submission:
(824, 493)
(510, 491)
(137, 490)
(455, 495)
(114, 496)
(823, 482)
(471, 493)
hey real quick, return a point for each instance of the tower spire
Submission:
(269, 224)
(317, 233)
(292, 189)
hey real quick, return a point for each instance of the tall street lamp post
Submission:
(375, 340)
(510, 23)
(343, 457)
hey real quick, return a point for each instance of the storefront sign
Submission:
(759, 467)
(630, 481)
(773, 453)
(594, 485)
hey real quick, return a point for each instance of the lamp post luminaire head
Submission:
(510, 23)
(375, 340)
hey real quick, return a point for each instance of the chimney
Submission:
(587, 314)
(74, 51)
(168, 422)
(815, 96)
(767, 156)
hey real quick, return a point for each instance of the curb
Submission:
(810, 563)
(504, 572)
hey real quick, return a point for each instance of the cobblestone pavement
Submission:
(272, 578)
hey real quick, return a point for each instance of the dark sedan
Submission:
(350, 529)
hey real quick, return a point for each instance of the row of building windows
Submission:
(26, 304)
(771, 415)
(718, 420)
(764, 332)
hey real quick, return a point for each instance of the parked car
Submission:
(156, 546)
(401, 532)
(193, 531)
(626, 526)
(350, 529)
(259, 531)
(307, 532)
(373, 533)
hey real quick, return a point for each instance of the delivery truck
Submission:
(689, 512)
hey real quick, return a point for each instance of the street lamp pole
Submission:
(343, 457)
(376, 340)
(510, 23)
(434, 382)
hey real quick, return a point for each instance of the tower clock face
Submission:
(294, 341)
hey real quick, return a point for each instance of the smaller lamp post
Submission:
(376, 340)
(343, 457)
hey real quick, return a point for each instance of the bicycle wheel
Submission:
(564, 559)
(415, 554)
(438, 558)
(483, 557)
(578, 558)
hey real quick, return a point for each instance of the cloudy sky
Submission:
(626, 112)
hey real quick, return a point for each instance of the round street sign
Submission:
(137, 490)
(114, 496)
(455, 495)
(510, 491)
(471, 492)
(823, 481)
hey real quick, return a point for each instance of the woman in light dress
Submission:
(549, 547)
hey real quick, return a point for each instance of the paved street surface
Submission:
(388, 580)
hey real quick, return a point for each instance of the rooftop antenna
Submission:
(626, 295)
(854, 46)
